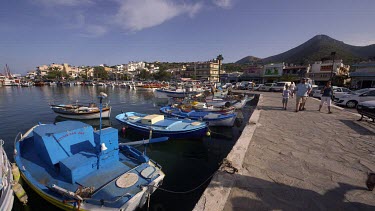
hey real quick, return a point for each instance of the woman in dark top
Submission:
(327, 96)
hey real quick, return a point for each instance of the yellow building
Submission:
(208, 71)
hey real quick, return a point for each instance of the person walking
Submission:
(286, 93)
(327, 92)
(302, 90)
(291, 88)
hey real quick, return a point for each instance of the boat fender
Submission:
(123, 130)
(20, 193)
(208, 133)
(16, 172)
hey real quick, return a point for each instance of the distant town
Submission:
(356, 76)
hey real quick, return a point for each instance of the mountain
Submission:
(320, 48)
(249, 60)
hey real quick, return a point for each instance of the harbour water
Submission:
(187, 163)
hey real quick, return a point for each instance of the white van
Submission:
(279, 87)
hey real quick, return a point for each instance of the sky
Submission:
(93, 32)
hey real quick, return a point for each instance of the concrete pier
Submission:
(286, 160)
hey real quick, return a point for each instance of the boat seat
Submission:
(77, 166)
(133, 117)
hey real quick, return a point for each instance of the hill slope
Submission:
(320, 47)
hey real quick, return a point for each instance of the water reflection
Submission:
(93, 122)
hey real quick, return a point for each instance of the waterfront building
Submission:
(204, 71)
(321, 71)
(294, 73)
(253, 73)
(42, 70)
(272, 72)
(135, 66)
(363, 75)
(31, 74)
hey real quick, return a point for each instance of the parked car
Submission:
(227, 85)
(337, 92)
(351, 100)
(316, 89)
(244, 85)
(256, 87)
(279, 86)
(367, 108)
(266, 87)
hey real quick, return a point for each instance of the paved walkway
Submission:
(308, 160)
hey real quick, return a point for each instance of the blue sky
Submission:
(92, 32)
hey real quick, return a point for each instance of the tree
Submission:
(99, 72)
(56, 73)
(162, 75)
(144, 74)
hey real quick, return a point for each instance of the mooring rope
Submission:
(184, 192)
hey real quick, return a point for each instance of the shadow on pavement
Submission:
(357, 127)
(266, 195)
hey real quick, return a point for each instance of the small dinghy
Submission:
(75, 111)
(213, 119)
(170, 127)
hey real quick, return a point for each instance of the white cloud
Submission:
(94, 31)
(362, 39)
(135, 15)
(226, 4)
(63, 2)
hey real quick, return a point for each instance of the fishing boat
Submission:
(170, 127)
(75, 167)
(167, 93)
(76, 111)
(6, 192)
(236, 102)
(213, 119)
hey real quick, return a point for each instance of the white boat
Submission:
(167, 93)
(81, 112)
(6, 192)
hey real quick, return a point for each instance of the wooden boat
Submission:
(213, 119)
(167, 93)
(75, 111)
(237, 102)
(170, 127)
(6, 192)
(75, 167)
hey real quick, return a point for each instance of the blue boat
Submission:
(73, 166)
(170, 127)
(213, 119)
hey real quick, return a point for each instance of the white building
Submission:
(272, 72)
(133, 66)
(320, 71)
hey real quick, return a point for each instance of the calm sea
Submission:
(186, 163)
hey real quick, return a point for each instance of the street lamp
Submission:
(220, 58)
(333, 54)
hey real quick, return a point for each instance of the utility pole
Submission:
(333, 65)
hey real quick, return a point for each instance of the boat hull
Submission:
(144, 130)
(6, 196)
(199, 133)
(92, 115)
(212, 119)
